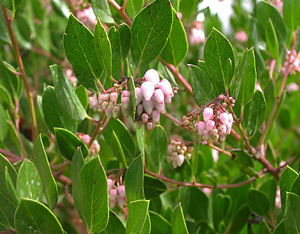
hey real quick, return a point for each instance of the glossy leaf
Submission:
(286, 181)
(177, 221)
(103, 48)
(4, 36)
(137, 217)
(65, 94)
(102, 11)
(54, 115)
(272, 42)
(245, 78)
(34, 217)
(291, 13)
(81, 93)
(3, 124)
(61, 8)
(68, 143)
(140, 138)
(150, 31)
(240, 220)
(115, 225)
(296, 186)
(159, 225)
(153, 187)
(203, 89)
(79, 49)
(158, 147)
(29, 184)
(292, 213)
(117, 148)
(134, 181)
(93, 186)
(43, 167)
(258, 202)
(11, 188)
(221, 208)
(198, 205)
(217, 53)
(279, 228)
(133, 7)
(4, 223)
(177, 46)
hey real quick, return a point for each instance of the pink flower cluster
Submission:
(294, 58)
(215, 125)
(95, 147)
(178, 152)
(117, 194)
(151, 98)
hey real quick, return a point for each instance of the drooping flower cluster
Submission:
(95, 147)
(117, 195)
(294, 58)
(196, 35)
(151, 98)
(178, 152)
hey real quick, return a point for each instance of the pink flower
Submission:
(155, 116)
(121, 190)
(207, 113)
(139, 95)
(201, 127)
(210, 124)
(148, 105)
(160, 107)
(159, 96)
(147, 90)
(165, 86)
(152, 75)
(110, 184)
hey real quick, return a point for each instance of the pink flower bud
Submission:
(116, 112)
(224, 118)
(165, 86)
(210, 124)
(147, 90)
(152, 75)
(125, 93)
(109, 111)
(125, 102)
(150, 126)
(104, 105)
(159, 96)
(145, 118)
(206, 135)
(168, 99)
(207, 113)
(148, 106)
(155, 115)
(121, 191)
(113, 97)
(201, 127)
(110, 184)
(120, 201)
(222, 137)
(160, 107)
(223, 129)
(112, 202)
(180, 160)
(139, 109)
(86, 139)
(113, 193)
(139, 95)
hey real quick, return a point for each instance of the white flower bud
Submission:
(206, 135)
(150, 126)
(85, 138)
(125, 102)
(147, 90)
(223, 129)
(188, 156)
(112, 202)
(155, 115)
(201, 127)
(152, 75)
(121, 191)
(109, 111)
(180, 160)
(148, 106)
(222, 137)
(113, 193)
(104, 105)
(159, 96)
(224, 117)
(207, 113)
(116, 112)
(110, 184)
(139, 95)
(139, 109)
(165, 86)
(160, 107)
(145, 118)
(168, 99)
(210, 124)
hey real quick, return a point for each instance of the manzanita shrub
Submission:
(130, 116)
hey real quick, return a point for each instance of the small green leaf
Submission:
(153, 187)
(272, 42)
(198, 205)
(240, 220)
(134, 180)
(133, 7)
(217, 51)
(137, 217)
(29, 184)
(279, 228)
(291, 13)
(286, 181)
(258, 202)
(82, 95)
(221, 208)
(61, 8)
(79, 49)
(115, 225)
(177, 221)
(3, 124)
(34, 217)
(150, 31)
(4, 222)
(43, 167)
(177, 45)
(140, 138)
(4, 36)
(102, 11)
(10, 187)
(9, 80)
(292, 213)
(245, 78)
(65, 94)
(158, 147)
(68, 143)
(159, 225)
(203, 89)
(93, 186)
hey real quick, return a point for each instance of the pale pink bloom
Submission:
(224, 117)
(223, 128)
(87, 16)
(152, 75)
(196, 36)
(165, 86)
(215, 154)
(160, 107)
(121, 190)
(110, 184)
(292, 87)
(241, 36)
(210, 124)
(125, 93)
(139, 95)
(201, 127)
(148, 105)
(139, 109)
(113, 193)
(159, 96)
(147, 90)
(168, 99)
(113, 97)
(155, 116)
(145, 118)
(120, 201)
(150, 126)
(125, 102)
(180, 160)
(207, 113)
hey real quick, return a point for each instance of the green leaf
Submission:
(68, 143)
(115, 225)
(177, 46)
(177, 221)
(133, 7)
(255, 113)
(158, 147)
(34, 217)
(134, 181)
(292, 213)
(103, 48)
(43, 167)
(9, 80)
(240, 220)
(258, 202)
(3, 124)
(76, 165)
(82, 95)
(10, 187)
(137, 217)
(93, 186)
(153, 187)
(198, 205)
(4, 222)
(203, 89)
(291, 13)
(54, 115)
(221, 208)
(102, 11)
(11, 4)
(279, 228)
(65, 94)
(296, 186)
(4, 36)
(8, 204)
(140, 138)
(61, 8)
(217, 52)
(150, 31)
(79, 49)
(272, 42)
(245, 78)
(286, 180)
(159, 225)
(29, 184)
(244, 161)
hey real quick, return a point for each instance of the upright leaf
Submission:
(291, 13)
(219, 57)
(29, 184)
(292, 213)
(158, 147)
(115, 225)
(159, 225)
(93, 185)
(258, 202)
(133, 7)
(272, 42)
(3, 124)
(43, 167)
(65, 94)
(79, 49)
(150, 31)
(137, 217)
(34, 217)
(4, 36)
(102, 10)
(286, 181)
(240, 220)
(153, 187)
(4, 224)
(221, 208)
(177, 221)
(198, 205)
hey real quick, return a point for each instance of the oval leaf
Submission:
(272, 42)
(258, 202)
(221, 207)
(153, 187)
(177, 221)
(291, 13)
(292, 214)
(3, 124)
(115, 225)
(159, 225)
(133, 7)
(102, 10)
(286, 181)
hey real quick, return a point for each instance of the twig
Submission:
(11, 155)
(176, 121)
(121, 11)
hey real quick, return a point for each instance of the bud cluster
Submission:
(109, 103)
(178, 152)
(117, 194)
(95, 147)
(294, 58)
(151, 98)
